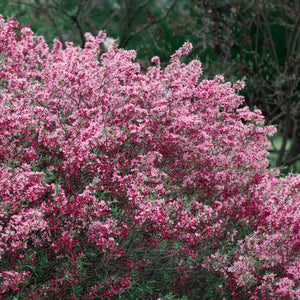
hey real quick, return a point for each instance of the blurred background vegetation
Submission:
(257, 41)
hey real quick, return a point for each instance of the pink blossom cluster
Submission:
(101, 167)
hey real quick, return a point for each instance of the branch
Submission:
(138, 10)
(292, 160)
(271, 42)
(109, 19)
(74, 18)
(146, 26)
(25, 3)
(285, 135)
(52, 19)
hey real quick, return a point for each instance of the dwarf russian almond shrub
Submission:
(116, 183)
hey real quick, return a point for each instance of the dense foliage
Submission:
(257, 41)
(115, 182)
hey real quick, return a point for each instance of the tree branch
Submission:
(146, 26)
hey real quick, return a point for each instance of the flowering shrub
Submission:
(117, 183)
